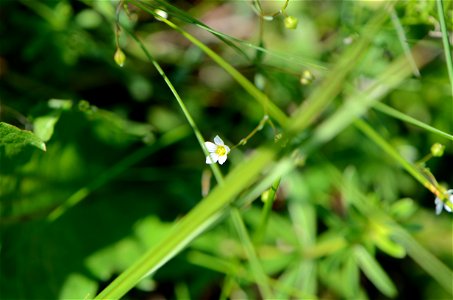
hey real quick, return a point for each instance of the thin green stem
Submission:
(445, 41)
(413, 170)
(403, 117)
(255, 265)
(259, 10)
(269, 199)
(227, 287)
(195, 222)
(230, 40)
(403, 41)
(269, 107)
(184, 16)
(208, 211)
(167, 139)
(425, 259)
(332, 84)
(215, 168)
(361, 100)
(433, 266)
(117, 23)
(259, 127)
(244, 175)
(50, 15)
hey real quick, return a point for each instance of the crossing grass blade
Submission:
(269, 107)
(410, 120)
(246, 173)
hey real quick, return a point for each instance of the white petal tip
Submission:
(218, 140)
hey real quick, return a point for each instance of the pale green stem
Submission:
(428, 262)
(255, 265)
(269, 107)
(414, 171)
(403, 41)
(269, 199)
(253, 132)
(167, 139)
(252, 254)
(240, 178)
(45, 12)
(196, 221)
(214, 167)
(403, 117)
(445, 41)
(332, 84)
(425, 259)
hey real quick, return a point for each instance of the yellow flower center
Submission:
(220, 150)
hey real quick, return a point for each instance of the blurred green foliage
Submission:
(97, 161)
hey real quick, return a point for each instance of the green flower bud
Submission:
(306, 77)
(119, 57)
(265, 196)
(84, 105)
(437, 150)
(291, 22)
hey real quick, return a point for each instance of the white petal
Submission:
(227, 149)
(450, 198)
(210, 146)
(218, 140)
(439, 206)
(222, 159)
(212, 158)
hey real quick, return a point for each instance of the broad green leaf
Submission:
(44, 126)
(13, 140)
(78, 286)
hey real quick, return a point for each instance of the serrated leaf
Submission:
(13, 140)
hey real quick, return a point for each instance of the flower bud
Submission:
(161, 13)
(437, 150)
(291, 22)
(119, 57)
(306, 77)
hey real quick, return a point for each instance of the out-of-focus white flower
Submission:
(161, 13)
(441, 205)
(218, 151)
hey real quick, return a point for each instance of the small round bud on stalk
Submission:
(306, 77)
(437, 150)
(291, 22)
(119, 57)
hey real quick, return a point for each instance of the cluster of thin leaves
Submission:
(330, 187)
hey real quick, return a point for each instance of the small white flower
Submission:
(217, 152)
(441, 205)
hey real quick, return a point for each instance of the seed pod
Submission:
(119, 57)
